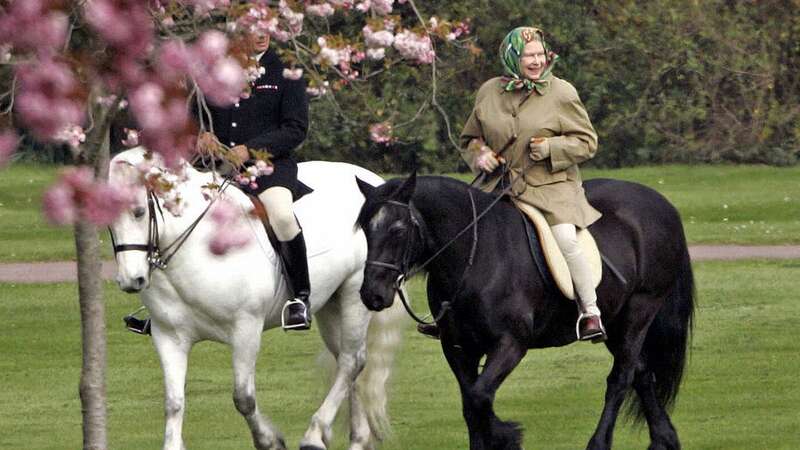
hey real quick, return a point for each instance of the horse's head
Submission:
(131, 231)
(392, 228)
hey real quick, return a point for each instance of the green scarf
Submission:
(510, 53)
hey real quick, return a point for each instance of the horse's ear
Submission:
(406, 190)
(367, 189)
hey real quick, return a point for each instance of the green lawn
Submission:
(740, 391)
(719, 204)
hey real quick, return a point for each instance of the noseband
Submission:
(156, 257)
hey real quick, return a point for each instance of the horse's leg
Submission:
(489, 431)
(173, 352)
(343, 325)
(465, 368)
(625, 340)
(662, 434)
(246, 343)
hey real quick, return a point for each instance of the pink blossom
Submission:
(358, 56)
(415, 47)
(316, 91)
(34, 25)
(220, 77)
(59, 205)
(230, 232)
(376, 53)
(72, 135)
(202, 7)
(320, 10)
(382, 7)
(292, 74)
(131, 137)
(104, 203)
(381, 133)
(377, 39)
(8, 143)
(165, 122)
(125, 24)
(46, 100)
(78, 194)
(294, 20)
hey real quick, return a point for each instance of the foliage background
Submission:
(690, 81)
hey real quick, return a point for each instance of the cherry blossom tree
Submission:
(76, 64)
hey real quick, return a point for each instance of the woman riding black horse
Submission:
(499, 305)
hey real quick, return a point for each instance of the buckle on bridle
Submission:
(156, 261)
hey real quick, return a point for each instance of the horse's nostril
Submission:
(139, 282)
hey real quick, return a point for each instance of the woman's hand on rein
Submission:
(540, 148)
(488, 160)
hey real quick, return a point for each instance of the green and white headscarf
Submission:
(511, 50)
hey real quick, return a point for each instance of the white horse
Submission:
(232, 298)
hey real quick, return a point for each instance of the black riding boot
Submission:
(296, 314)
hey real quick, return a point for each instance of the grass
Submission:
(25, 234)
(719, 204)
(740, 391)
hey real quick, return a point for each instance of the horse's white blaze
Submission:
(231, 298)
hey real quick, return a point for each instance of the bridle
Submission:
(152, 247)
(157, 257)
(405, 270)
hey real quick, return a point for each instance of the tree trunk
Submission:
(93, 334)
(90, 294)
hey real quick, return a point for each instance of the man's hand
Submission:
(540, 148)
(207, 143)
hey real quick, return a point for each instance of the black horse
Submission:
(500, 306)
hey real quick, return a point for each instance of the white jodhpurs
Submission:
(279, 204)
(578, 265)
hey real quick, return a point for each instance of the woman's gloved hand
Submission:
(540, 148)
(488, 160)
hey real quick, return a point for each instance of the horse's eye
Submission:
(397, 228)
(138, 212)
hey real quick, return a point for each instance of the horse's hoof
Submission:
(310, 447)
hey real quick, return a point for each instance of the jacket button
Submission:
(514, 114)
(235, 105)
(233, 144)
(233, 124)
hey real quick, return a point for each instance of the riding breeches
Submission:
(279, 204)
(578, 264)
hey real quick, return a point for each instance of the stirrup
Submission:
(137, 325)
(595, 338)
(305, 325)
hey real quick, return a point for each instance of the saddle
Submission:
(548, 257)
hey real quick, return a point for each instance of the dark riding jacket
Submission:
(274, 119)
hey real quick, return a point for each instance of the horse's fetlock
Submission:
(173, 406)
(245, 403)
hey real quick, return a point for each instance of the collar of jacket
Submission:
(269, 58)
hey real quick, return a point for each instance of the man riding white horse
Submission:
(274, 118)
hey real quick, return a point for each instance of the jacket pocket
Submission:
(539, 174)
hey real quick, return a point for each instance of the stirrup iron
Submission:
(305, 325)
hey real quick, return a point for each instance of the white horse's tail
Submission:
(384, 337)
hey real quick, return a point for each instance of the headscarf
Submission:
(511, 50)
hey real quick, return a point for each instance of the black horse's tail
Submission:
(667, 343)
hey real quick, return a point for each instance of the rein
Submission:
(156, 256)
(403, 269)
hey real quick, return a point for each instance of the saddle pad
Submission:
(554, 257)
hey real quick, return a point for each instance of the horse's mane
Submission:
(429, 189)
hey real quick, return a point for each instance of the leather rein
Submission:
(405, 270)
